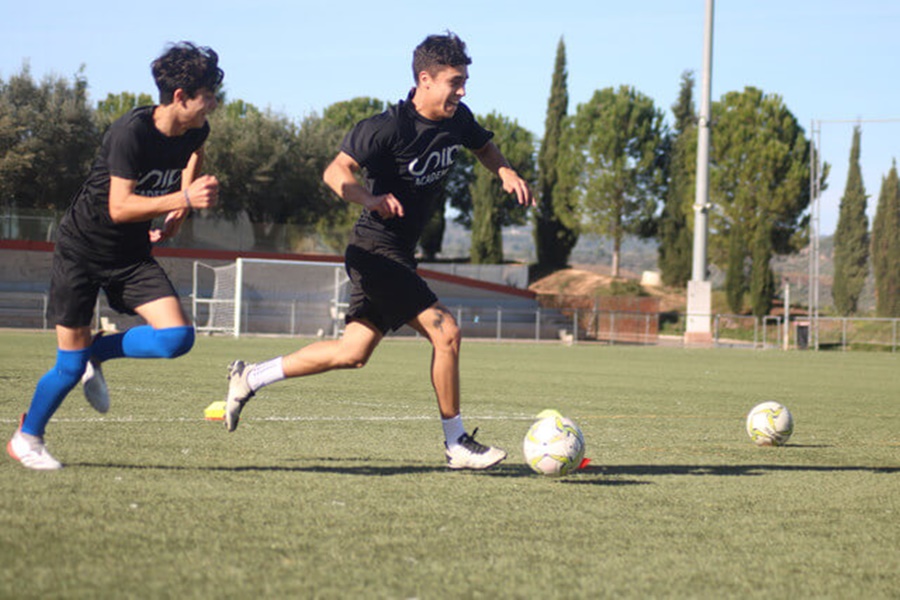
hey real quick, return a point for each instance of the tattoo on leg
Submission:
(439, 320)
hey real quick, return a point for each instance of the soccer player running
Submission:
(148, 166)
(406, 153)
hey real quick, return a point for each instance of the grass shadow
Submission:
(726, 470)
(361, 468)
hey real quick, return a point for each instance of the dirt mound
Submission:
(575, 282)
(580, 282)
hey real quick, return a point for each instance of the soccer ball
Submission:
(554, 445)
(770, 424)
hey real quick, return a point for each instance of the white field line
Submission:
(350, 419)
(279, 419)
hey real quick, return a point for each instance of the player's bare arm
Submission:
(494, 161)
(175, 218)
(125, 206)
(340, 176)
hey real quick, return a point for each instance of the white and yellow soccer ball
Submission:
(770, 424)
(554, 445)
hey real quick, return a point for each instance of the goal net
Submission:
(270, 297)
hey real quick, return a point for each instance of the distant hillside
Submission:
(594, 254)
(518, 245)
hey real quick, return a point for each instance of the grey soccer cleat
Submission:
(239, 393)
(94, 386)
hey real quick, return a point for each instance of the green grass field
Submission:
(335, 486)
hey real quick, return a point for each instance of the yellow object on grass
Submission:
(215, 411)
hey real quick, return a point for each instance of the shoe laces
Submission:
(468, 442)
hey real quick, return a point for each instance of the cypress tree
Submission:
(851, 239)
(675, 235)
(886, 247)
(493, 208)
(553, 239)
(487, 236)
(735, 281)
(762, 280)
(432, 238)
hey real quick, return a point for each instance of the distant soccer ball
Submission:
(554, 445)
(770, 424)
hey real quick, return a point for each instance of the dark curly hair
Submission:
(438, 51)
(188, 67)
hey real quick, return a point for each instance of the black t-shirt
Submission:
(405, 154)
(133, 148)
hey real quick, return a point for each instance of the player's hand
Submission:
(513, 184)
(204, 192)
(170, 228)
(387, 206)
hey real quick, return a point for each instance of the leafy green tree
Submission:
(344, 115)
(492, 207)
(259, 162)
(47, 140)
(675, 232)
(886, 246)
(553, 239)
(615, 153)
(116, 105)
(851, 238)
(759, 187)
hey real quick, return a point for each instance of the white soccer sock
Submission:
(453, 430)
(264, 373)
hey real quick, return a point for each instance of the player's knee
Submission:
(448, 338)
(354, 359)
(173, 342)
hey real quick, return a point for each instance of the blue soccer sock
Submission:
(53, 387)
(144, 342)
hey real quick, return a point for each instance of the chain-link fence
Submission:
(566, 325)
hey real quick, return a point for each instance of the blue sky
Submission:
(829, 60)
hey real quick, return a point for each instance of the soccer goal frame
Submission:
(269, 296)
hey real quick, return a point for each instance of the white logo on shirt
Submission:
(435, 167)
(158, 182)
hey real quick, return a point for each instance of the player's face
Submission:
(197, 108)
(443, 92)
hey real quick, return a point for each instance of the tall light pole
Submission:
(699, 296)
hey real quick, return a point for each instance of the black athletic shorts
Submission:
(384, 291)
(75, 283)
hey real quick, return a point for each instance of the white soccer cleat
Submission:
(31, 451)
(469, 454)
(239, 393)
(94, 385)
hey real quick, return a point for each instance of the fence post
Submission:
(293, 315)
(716, 331)
(537, 324)
(894, 336)
(765, 330)
(575, 327)
(844, 334)
(787, 329)
(499, 323)
(612, 328)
